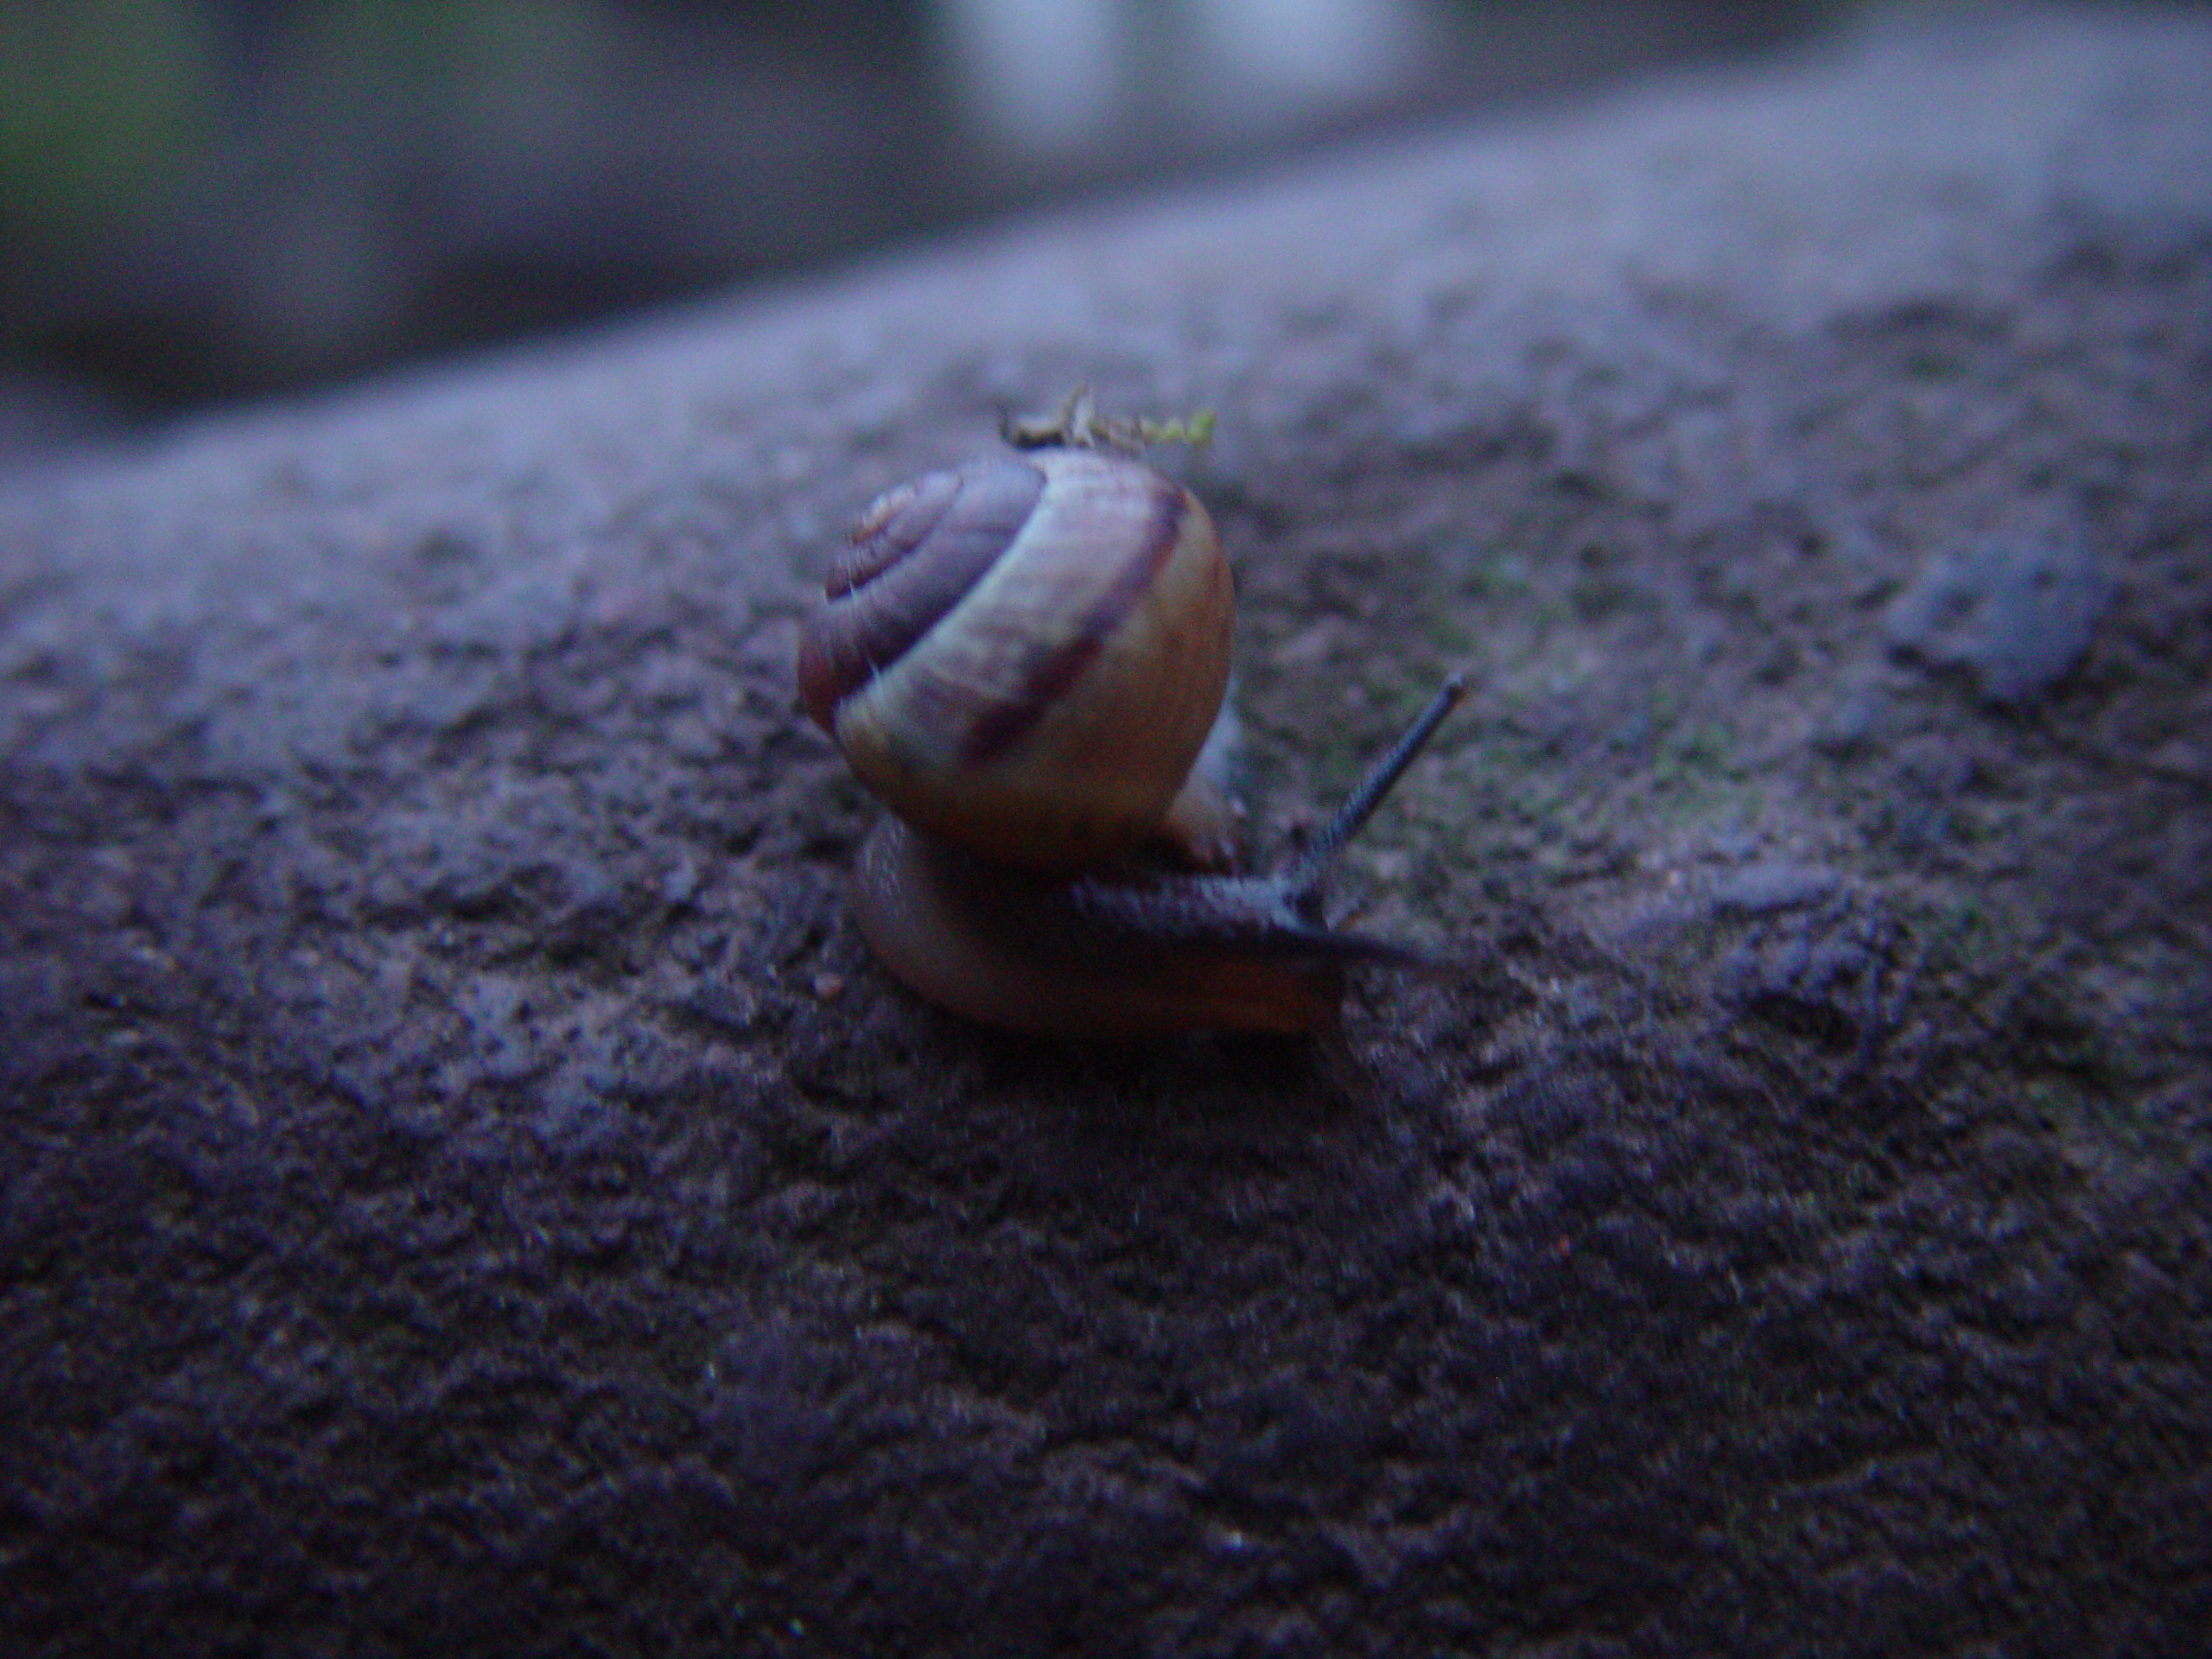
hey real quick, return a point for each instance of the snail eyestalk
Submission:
(1367, 794)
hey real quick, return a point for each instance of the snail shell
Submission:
(1023, 655)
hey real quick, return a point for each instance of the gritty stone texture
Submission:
(2018, 614)
(1762, 888)
(468, 1190)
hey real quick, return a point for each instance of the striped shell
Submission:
(1024, 655)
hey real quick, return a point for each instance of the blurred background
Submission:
(203, 201)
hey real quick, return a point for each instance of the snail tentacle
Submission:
(1381, 777)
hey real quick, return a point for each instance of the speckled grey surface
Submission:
(466, 1188)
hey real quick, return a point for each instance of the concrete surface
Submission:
(466, 1188)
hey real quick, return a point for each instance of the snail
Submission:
(1024, 656)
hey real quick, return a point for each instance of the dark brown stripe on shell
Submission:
(1050, 672)
(893, 595)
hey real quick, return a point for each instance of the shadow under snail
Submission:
(1024, 656)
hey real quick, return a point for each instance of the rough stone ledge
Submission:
(466, 1188)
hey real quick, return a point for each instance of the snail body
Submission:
(1086, 956)
(1023, 657)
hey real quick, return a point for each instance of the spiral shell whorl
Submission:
(1025, 655)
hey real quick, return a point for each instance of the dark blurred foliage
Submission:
(202, 200)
